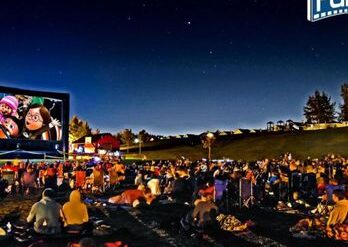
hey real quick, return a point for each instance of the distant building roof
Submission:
(241, 131)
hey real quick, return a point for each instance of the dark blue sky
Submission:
(174, 66)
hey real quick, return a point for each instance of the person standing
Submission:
(28, 180)
(98, 178)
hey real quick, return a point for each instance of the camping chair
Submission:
(220, 187)
(246, 194)
(80, 177)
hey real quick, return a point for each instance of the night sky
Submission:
(174, 66)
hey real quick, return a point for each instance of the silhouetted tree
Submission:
(144, 136)
(96, 131)
(127, 137)
(319, 108)
(78, 129)
(344, 106)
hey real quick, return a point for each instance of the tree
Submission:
(108, 142)
(207, 141)
(78, 129)
(96, 131)
(344, 106)
(119, 137)
(319, 108)
(144, 136)
(126, 137)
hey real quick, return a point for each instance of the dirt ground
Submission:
(159, 226)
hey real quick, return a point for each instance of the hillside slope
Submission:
(300, 144)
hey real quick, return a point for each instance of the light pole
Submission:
(139, 144)
(138, 141)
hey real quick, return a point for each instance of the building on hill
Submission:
(320, 126)
(222, 133)
(241, 131)
(270, 126)
(280, 125)
(291, 125)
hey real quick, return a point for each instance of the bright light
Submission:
(136, 140)
(210, 135)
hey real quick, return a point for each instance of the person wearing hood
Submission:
(46, 213)
(340, 211)
(75, 212)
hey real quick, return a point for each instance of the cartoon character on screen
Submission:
(10, 128)
(23, 104)
(38, 123)
(8, 107)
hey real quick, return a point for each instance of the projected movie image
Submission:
(27, 117)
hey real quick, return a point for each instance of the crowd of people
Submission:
(315, 187)
(27, 178)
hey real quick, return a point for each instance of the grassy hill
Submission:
(301, 144)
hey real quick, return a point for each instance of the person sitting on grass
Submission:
(75, 213)
(340, 211)
(205, 212)
(331, 187)
(202, 218)
(154, 185)
(322, 209)
(297, 203)
(46, 213)
(208, 189)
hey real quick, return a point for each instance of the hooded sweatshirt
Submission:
(47, 214)
(339, 214)
(75, 212)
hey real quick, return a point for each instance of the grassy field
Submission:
(301, 144)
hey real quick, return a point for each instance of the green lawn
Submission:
(301, 144)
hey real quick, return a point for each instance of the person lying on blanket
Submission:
(130, 196)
